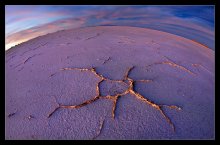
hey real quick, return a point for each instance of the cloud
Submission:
(24, 17)
(46, 19)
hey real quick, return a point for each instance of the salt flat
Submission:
(110, 82)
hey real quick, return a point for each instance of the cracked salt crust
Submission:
(187, 125)
(127, 80)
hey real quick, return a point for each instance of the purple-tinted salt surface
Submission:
(181, 70)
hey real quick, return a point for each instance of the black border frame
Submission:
(106, 2)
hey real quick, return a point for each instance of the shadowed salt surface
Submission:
(181, 70)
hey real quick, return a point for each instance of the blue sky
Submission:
(23, 23)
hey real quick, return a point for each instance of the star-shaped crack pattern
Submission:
(130, 90)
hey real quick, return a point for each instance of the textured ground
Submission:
(110, 82)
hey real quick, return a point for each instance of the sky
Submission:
(25, 22)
